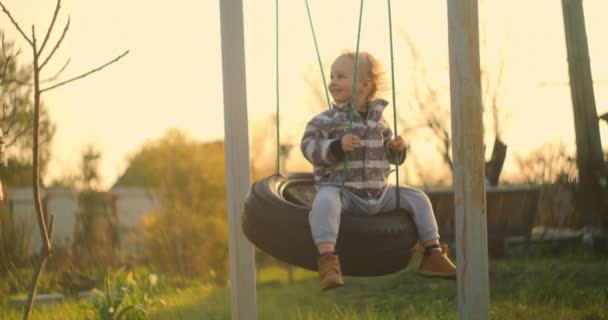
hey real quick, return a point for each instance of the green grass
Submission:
(72, 309)
(568, 287)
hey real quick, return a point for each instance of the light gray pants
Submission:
(328, 205)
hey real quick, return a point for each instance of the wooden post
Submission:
(236, 144)
(467, 149)
(589, 156)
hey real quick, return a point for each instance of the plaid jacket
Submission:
(368, 165)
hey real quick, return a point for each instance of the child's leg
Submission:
(418, 203)
(435, 261)
(324, 218)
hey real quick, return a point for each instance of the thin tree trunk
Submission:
(45, 233)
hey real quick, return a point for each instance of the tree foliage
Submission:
(17, 119)
(188, 234)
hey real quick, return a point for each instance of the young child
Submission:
(369, 147)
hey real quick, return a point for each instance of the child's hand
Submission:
(397, 144)
(350, 142)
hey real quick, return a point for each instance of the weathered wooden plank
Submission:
(510, 211)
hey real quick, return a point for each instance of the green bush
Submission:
(185, 242)
(187, 235)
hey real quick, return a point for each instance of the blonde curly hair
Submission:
(371, 68)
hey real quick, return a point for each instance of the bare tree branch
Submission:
(51, 225)
(58, 73)
(495, 107)
(36, 176)
(15, 23)
(34, 286)
(50, 30)
(85, 74)
(65, 31)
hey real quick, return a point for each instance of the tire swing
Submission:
(275, 216)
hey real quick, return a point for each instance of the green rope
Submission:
(277, 85)
(354, 98)
(390, 32)
(356, 71)
(314, 37)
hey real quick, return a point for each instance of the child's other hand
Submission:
(397, 144)
(350, 142)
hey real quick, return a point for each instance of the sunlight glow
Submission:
(172, 77)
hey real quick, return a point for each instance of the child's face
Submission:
(341, 84)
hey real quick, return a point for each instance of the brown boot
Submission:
(329, 271)
(437, 265)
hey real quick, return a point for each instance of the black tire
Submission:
(368, 246)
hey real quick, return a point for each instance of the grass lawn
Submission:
(567, 287)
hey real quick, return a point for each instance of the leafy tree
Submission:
(188, 234)
(17, 119)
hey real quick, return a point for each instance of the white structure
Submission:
(467, 150)
(62, 203)
(236, 141)
(132, 204)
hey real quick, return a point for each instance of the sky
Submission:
(172, 76)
